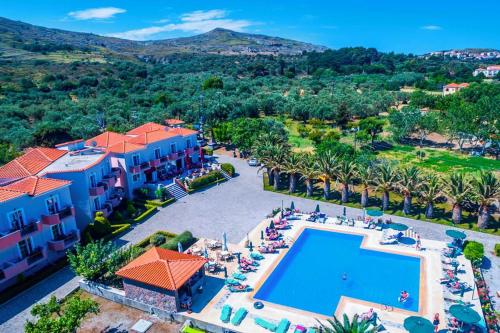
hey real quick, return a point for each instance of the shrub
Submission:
(497, 250)
(157, 239)
(208, 151)
(131, 210)
(228, 168)
(186, 239)
(474, 251)
(205, 180)
(101, 226)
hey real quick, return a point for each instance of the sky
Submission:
(389, 25)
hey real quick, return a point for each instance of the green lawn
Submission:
(440, 160)
(300, 143)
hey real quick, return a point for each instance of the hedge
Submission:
(186, 239)
(148, 212)
(228, 168)
(117, 229)
(146, 241)
(158, 203)
(497, 250)
(210, 178)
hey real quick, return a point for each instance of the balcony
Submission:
(37, 255)
(64, 242)
(173, 156)
(135, 168)
(114, 200)
(9, 239)
(155, 163)
(145, 165)
(110, 180)
(30, 228)
(12, 268)
(57, 217)
(117, 172)
(97, 190)
(189, 151)
(164, 159)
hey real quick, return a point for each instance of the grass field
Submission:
(299, 143)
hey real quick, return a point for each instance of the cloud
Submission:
(96, 13)
(431, 27)
(194, 22)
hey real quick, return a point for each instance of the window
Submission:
(172, 148)
(135, 160)
(93, 180)
(25, 247)
(136, 177)
(57, 231)
(188, 143)
(52, 205)
(103, 171)
(97, 204)
(157, 153)
(16, 219)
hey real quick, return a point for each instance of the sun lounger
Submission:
(225, 314)
(239, 316)
(386, 241)
(283, 326)
(239, 288)
(188, 329)
(311, 330)
(265, 324)
(231, 282)
(239, 276)
(350, 223)
(300, 329)
(256, 256)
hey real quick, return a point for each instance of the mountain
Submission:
(17, 38)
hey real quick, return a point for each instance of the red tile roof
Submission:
(68, 143)
(6, 194)
(162, 268)
(171, 122)
(31, 162)
(106, 139)
(183, 131)
(457, 85)
(36, 185)
(125, 147)
(154, 136)
(147, 127)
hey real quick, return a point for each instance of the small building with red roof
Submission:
(174, 122)
(163, 278)
(453, 88)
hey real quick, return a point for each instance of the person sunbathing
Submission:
(403, 297)
(367, 315)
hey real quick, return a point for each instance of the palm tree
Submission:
(407, 183)
(345, 172)
(385, 179)
(292, 168)
(308, 171)
(429, 192)
(486, 190)
(457, 189)
(325, 165)
(365, 176)
(262, 151)
(347, 326)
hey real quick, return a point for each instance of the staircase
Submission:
(225, 175)
(176, 191)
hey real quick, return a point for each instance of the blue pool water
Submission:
(310, 276)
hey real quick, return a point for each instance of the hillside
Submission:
(19, 39)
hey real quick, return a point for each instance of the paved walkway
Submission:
(234, 207)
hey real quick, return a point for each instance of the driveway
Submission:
(234, 207)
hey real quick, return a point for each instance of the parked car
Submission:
(253, 162)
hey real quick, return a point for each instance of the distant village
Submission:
(467, 54)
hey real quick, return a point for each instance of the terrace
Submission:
(57, 217)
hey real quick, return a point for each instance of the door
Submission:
(25, 247)
(157, 153)
(16, 219)
(178, 164)
(57, 231)
(52, 205)
(93, 181)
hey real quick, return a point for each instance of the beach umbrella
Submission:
(317, 209)
(456, 234)
(345, 211)
(374, 212)
(250, 247)
(224, 241)
(292, 206)
(262, 234)
(205, 252)
(416, 324)
(179, 247)
(464, 314)
(225, 272)
(398, 226)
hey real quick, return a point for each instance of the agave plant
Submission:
(486, 189)
(292, 168)
(457, 189)
(385, 180)
(429, 192)
(308, 171)
(325, 165)
(407, 183)
(348, 326)
(345, 172)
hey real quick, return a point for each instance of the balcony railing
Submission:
(173, 156)
(145, 165)
(135, 168)
(31, 228)
(9, 238)
(12, 268)
(35, 256)
(110, 180)
(97, 190)
(57, 217)
(64, 242)
(155, 163)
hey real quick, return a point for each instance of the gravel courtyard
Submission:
(234, 207)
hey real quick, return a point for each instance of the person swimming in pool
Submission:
(344, 276)
(403, 297)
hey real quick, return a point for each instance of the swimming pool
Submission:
(322, 266)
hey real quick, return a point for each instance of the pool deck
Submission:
(432, 293)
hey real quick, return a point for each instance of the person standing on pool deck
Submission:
(435, 322)
(418, 244)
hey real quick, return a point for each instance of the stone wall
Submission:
(156, 297)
